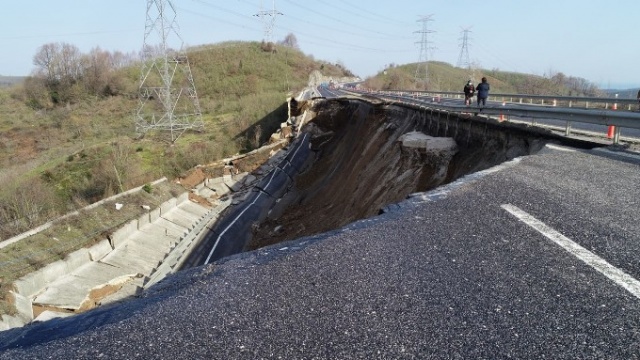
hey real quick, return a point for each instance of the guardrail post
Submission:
(616, 135)
(567, 129)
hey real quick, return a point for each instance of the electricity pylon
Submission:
(463, 59)
(423, 61)
(168, 100)
(268, 18)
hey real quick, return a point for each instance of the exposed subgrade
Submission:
(368, 156)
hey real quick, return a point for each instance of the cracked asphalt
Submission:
(442, 275)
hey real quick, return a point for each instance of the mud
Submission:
(361, 166)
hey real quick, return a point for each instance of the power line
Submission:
(316, 13)
(356, 13)
(382, 17)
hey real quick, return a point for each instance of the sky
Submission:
(595, 40)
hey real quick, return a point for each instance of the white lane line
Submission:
(215, 245)
(560, 148)
(618, 276)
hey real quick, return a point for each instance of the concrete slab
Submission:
(50, 315)
(218, 185)
(146, 247)
(121, 235)
(72, 291)
(168, 206)
(131, 262)
(172, 229)
(144, 220)
(10, 322)
(181, 217)
(23, 306)
(182, 198)
(99, 273)
(30, 284)
(232, 182)
(157, 230)
(416, 139)
(207, 193)
(100, 250)
(194, 208)
(161, 242)
(76, 259)
(153, 216)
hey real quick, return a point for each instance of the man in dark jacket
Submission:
(469, 90)
(483, 91)
(638, 100)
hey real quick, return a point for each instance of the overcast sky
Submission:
(597, 40)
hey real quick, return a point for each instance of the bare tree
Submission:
(290, 41)
(97, 69)
(46, 60)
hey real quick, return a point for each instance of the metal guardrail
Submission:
(619, 119)
(524, 98)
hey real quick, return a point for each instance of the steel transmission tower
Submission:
(167, 94)
(463, 59)
(423, 61)
(268, 18)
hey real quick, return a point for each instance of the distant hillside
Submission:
(623, 93)
(6, 81)
(65, 143)
(446, 77)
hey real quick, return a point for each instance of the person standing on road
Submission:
(469, 90)
(483, 91)
(638, 100)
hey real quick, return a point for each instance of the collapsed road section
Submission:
(353, 158)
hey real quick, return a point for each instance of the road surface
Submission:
(538, 258)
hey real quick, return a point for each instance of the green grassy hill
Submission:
(446, 77)
(64, 146)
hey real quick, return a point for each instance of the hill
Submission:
(446, 77)
(69, 141)
(7, 81)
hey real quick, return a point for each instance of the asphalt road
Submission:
(536, 259)
(576, 126)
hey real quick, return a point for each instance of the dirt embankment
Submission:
(361, 166)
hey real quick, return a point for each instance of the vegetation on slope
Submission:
(445, 77)
(67, 137)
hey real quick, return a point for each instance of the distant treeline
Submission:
(6, 81)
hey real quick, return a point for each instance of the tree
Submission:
(290, 41)
(98, 66)
(46, 61)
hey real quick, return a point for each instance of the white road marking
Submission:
(618, 276)
(560, 148)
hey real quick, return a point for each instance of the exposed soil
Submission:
(361, 166)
